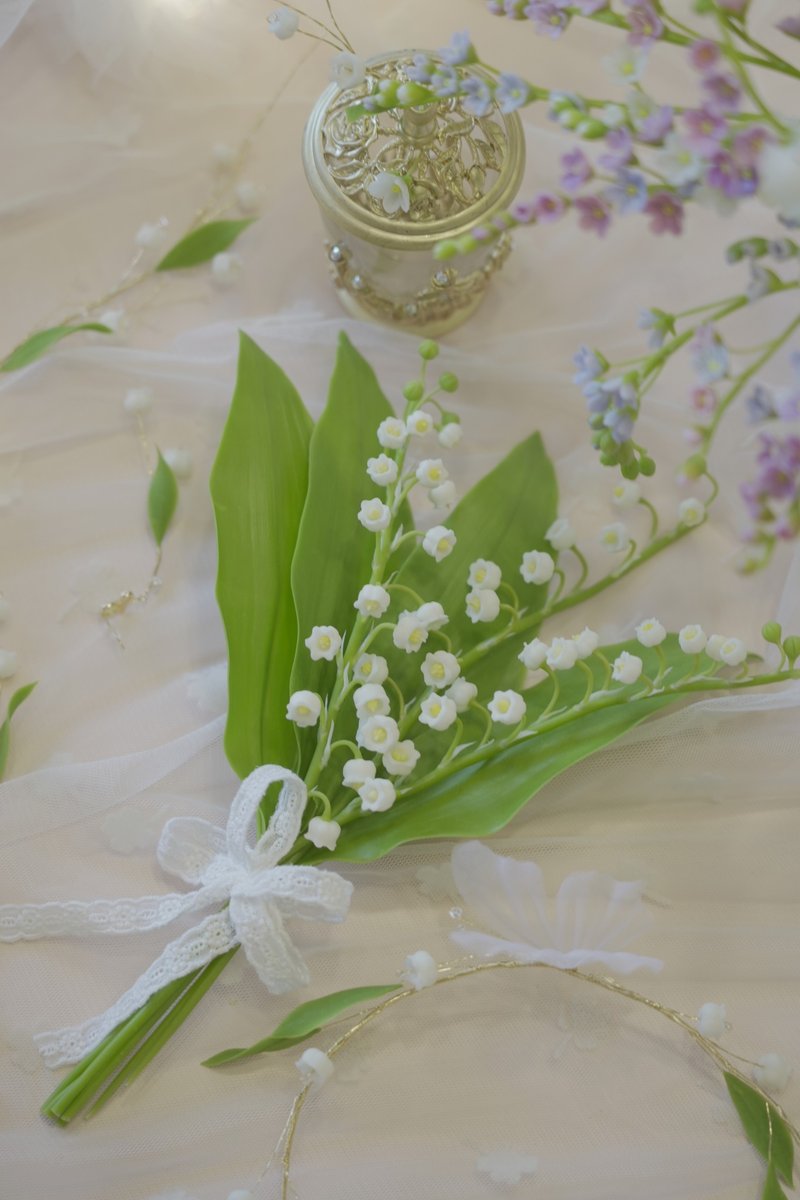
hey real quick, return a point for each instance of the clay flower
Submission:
(589, 924)
(392, 192)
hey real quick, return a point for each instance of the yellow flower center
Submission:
(480, 575)
(324, 642)
(379, 735)
(415, 638)
(503, 705)
(437, 671)
(443, 545)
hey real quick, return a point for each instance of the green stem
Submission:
(584, 567)
(653, 517)
(749, 87)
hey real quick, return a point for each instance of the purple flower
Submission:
(737, 7)
(665, 212)
(787, 405)
(629, 193)
(577, 170)
(523, 212)
(655, 127)
(496, 7)
(760, 405)
(704, 130)
(477, 97)
(728, 177)
(789, 26)
(646, 26)
(703, 399)
(710, 358)
(460, 51)
(619, 146)
(515, 9)
(704, 55)
(723, 94)
(594, 214)
(548, 17)
(747, 144)
(549, 206)
(511, 93)
(590, 365)
(588, 7)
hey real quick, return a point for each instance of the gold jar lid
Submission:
(462, 167)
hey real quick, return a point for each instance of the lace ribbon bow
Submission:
(224, 868)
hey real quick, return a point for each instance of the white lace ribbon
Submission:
(224, 868)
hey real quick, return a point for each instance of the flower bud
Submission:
(791, 648)
(772, 633)
(448, 382)
(414, 391)
(428, 350)
(695, 466)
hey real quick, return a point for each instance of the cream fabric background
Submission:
(110, 112)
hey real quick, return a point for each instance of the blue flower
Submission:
(421, 69)
(589, 365)
(478, 97)
(629, 193)
(512, 92)
(445, 81)
(460, 51)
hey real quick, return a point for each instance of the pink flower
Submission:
(747, 145)
(704, 130)
(723, 94)
(646, 26)
(548, 206)
(665, 212)
(704, 55)
(703, 399)
(790, 26)
(595, 214)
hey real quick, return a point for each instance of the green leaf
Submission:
(509, 510)
(37, 345)
(756, 1117)
(258, 486)
(334, 553)
(772, 1188)
(202, 244)
(18, 698)
(305, 1021)
(482, 798)
(162, 499)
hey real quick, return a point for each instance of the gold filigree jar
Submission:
(461, 168)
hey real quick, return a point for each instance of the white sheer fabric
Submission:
(701, 805)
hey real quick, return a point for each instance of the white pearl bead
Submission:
(180, 461)
(138, 400)
(8, 664)
(225, 267)
(223, 155)
(150, 234)
(247, 196)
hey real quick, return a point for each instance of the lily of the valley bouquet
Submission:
(387, 683)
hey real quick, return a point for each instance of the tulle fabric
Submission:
(700, 805)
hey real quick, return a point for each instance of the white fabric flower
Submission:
(323, 834)
(283, 23)
(443, 496)
(586, 642)
(372, 601)
(772, 1072)
(627, 668)
(8, 664)
(401, 759)
(409, 633)
(562, 654)
(440, 669)
(537, 566)
(315, 1067)
(779, 178)
(650, 632)
(714, 645)
(392, 433)
(482, 605)
(507, 708)
(692, 639)
(626, 65)
(116, 319)
(561, 535)
(371, 700)
(533, 654)
(507, 1167)
(225, 268)
(377, 795)
(462, 693)
(378, 734)
(304, 708)
(138, 400)
(371, 668)
(420, 971)
(432, 472)
(382, 470)
(592, 922)
(626, 494)
(450, 434)
(439, 542)
(179, 462)
(420, 423)
(678, 162)
(374, 514)
(431, 615)
(484, 574)
(348, 70)
(391, 191)
(691, 511)
(438, 712)
(324, 641)
(733, 651)
(357, 771)
(615, 537)
(712, 1020)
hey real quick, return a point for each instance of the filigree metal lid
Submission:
(460, 166)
